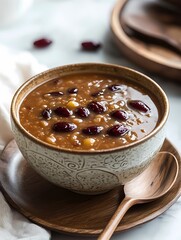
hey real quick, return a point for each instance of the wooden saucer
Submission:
(154, 58)
(64, 211)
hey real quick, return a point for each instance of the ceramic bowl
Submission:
(84, 171)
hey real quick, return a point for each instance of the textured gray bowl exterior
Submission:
(89, 173)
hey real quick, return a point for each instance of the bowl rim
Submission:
(87, 152)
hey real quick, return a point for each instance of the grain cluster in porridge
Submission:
(88, 111)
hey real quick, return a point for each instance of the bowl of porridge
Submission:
(89, 127)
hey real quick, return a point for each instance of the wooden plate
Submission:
(64, 211)
(154, 58)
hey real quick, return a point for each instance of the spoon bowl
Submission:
(156, 180)
(154, 30)
(152, 184)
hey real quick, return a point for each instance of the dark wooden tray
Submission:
(64, 211)
(154, 58)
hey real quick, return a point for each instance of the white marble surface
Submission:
(67, 23)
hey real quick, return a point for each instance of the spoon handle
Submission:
(116, 218)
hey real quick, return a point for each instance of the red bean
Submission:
(117, 88)
(120, 115)
(73, 90)
(42, 43)
(139, 106)
(64, 127)
(46, 113)
(117, 130)
(92, 130)
(82, 112)
(63, 112)
(96, 107)
(90, 46)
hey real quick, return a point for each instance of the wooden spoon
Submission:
(154, 30)
(153, 183)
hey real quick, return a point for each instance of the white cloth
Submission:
(15, 68)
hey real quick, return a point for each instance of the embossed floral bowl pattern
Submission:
(85, 171)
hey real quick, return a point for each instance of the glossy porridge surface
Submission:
(88, 111)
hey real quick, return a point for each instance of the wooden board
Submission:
(158, 60)
(64, 211)
(173, 3)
